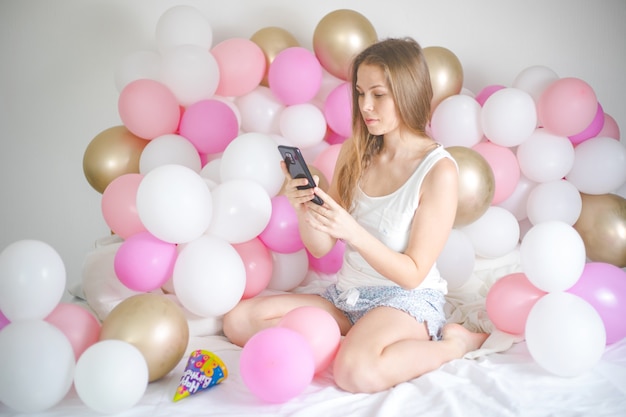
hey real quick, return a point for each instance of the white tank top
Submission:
(389, 218)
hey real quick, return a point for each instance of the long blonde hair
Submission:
(408, 79)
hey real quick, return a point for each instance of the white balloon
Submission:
(190, 72)
(303, 125)
(255, 157)
(183, 25)
(209, 276)
(516, 202)
(599, 166)
(174, 203)
(509, 117)
(493, 234)
(111, 376)
(37, 365)
(534, 80)
(169, 149)
(457, 259)
(138, 65)
(241, 211)
(552, 255)
(565, 335)
(545, 157)
(554, 200)
(289, 270)
(456, 121)
(32, 280)
(260, 111)
(211, 171)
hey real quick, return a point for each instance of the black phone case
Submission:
(297, 167)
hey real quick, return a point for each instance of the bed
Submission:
(500, 379)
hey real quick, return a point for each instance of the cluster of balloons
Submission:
(541, 166)
(58, 344)
(191, 179)
(278, 363)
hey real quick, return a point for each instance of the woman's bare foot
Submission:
(466, 340)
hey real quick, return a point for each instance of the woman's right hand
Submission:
(297, 197)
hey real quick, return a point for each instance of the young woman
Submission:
(393, 201)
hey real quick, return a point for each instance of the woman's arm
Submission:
(431, 226)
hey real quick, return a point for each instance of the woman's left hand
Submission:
(331, 218)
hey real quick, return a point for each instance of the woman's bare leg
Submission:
(387, 347)
(258, 313)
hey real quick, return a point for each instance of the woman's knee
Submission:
(358, 374)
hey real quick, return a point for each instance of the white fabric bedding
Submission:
(501, 379)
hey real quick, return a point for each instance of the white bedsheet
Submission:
(501, 379)
(500, 384)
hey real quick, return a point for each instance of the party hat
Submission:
(204, 369)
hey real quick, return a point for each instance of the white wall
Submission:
(58, 60)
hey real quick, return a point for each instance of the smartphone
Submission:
(298, 168)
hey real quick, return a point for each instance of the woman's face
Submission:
(378, 108)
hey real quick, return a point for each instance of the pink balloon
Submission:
(144, 263)
(241, 65)
(603, 285)
(295, 75)
(338, 110)
(486, 92)
(119, 207)
(326, 161)
(277, 364)
(259, 265)
(320, 330)
(509, 302)
(334, 138)
(148, 109)
(3, 320)
(210, 125)
(610, 129)
(78, 324)
(505, 167)
(567, 106)
(331, 262)
(592, 130)
(281, 233)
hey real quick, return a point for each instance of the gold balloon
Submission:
(339, 37)
(112, 153)
(477, 184)
(602, 226)
(446, 73)
(155, 325)
(272, 40)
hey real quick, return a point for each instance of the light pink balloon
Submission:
(295, 75)
(242, 66)
(567, 106)
(486, 92)
(505, 167)
(319, 328)
(610, 128)
(78, 324)
(119, 207)
(258, 262)
(148, 109)
(338, 110)
(592, 130)
(326, 161)
(210, 125)
(334, 138)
